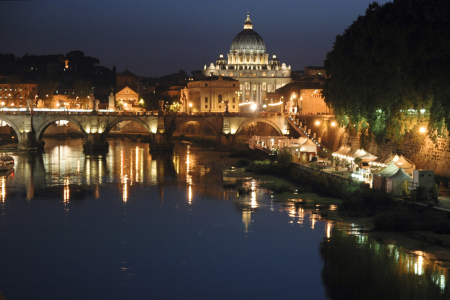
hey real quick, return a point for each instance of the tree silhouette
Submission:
(386, 70)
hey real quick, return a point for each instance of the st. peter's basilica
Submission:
(249, 63)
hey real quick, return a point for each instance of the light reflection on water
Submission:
(165, 223)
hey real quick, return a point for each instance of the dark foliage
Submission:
(388, 65)
(405, 218)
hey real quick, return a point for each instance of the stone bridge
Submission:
(30, 126)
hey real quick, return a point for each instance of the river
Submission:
(135, 225)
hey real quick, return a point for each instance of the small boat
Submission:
(6, 163)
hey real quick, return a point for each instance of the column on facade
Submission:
(258, 89)
(256, 93)
(251, 92)
(243, 93)
(260, 93)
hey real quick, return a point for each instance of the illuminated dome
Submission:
(248, 39)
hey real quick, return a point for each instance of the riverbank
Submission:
(348, 221)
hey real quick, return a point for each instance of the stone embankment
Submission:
(416, 146)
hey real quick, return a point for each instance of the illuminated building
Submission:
(128, 98)
(16, 94)
(306, 97)
(211, 94)
(249, 63)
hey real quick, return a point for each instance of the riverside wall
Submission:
(416, 147)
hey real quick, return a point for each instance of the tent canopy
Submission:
(400, 175)
(389, 171)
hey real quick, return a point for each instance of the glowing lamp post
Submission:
(253, 107)
(190, 108)
(293, 97)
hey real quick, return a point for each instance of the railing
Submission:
(23, 111)
(264, 149)
(303, 132)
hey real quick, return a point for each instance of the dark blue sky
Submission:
(154, 38)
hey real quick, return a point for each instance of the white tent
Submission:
(394, 183)
(378, 178)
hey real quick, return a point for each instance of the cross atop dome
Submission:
(248, 22)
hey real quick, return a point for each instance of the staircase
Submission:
(303, 133)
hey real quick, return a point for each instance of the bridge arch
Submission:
(54, 118)
(120, 119)
(4, 118)
(180, 121)
(261, 120)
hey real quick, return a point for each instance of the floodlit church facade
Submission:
(249, 63)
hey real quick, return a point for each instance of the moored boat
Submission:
(6, 163)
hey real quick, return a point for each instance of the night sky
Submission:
(155, 38)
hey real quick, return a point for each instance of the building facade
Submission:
(128, 99)
(249, 63)
(15, 95)
(304, 97)
(211, 94)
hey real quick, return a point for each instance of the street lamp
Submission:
(190, 108)
(253, 107)
(301, 102)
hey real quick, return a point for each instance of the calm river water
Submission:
(130, 225)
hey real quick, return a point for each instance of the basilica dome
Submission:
(248, 39)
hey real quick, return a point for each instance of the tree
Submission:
(284, 159)
(47, 89)
(151, 100)
(83, 91)
(386, 71)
